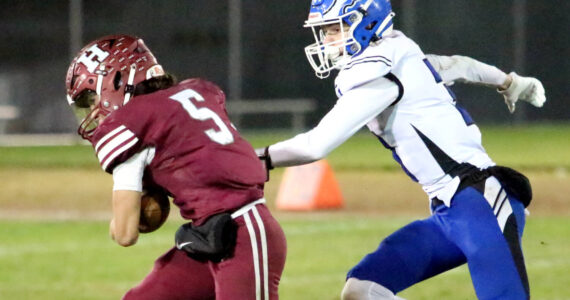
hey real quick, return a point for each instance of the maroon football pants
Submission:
(253, 272)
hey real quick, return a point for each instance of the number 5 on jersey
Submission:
(224, 135)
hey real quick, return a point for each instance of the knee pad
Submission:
(356, 289)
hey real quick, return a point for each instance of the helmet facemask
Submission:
(324, 57)
(87, 112)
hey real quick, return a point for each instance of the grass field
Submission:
(55, 208)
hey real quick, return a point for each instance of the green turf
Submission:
(525, 147)
(76, 260)
(77, 156)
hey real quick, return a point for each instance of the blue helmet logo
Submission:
(317, 2)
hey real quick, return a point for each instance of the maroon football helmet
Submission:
(109, 67)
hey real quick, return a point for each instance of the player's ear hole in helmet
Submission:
(117, 82)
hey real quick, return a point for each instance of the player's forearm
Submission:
(126, 213)
(299, 150)
(468, 70)
(317, 143)
(351, 112)
(333, 130)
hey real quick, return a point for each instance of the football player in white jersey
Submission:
(388, 84)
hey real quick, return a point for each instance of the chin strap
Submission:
(69, 100)
(382, 28)
(100, 73)
(130, 88)
(366, 5)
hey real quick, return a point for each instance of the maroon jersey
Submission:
(200, 158)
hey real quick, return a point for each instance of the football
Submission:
(155, 207)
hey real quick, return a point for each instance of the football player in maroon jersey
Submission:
(179, 138)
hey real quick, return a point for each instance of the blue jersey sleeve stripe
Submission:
(373, 56)
(349, 66)
(370, 58)
(396, 157)
(435, 74)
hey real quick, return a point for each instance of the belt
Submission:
(512, 181)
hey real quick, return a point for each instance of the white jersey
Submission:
(393, 90)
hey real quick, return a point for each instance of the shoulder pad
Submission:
(373, 63)
(203, 85)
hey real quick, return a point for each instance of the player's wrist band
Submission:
(267, 159)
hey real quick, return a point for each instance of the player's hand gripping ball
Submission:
(155, 207)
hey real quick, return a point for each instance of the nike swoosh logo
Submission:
(180, 246)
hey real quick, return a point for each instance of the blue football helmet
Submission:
(361, 22)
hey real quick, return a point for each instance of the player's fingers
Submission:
(538, 96)
(510, 105)
(534, 93)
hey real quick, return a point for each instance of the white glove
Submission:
(528, 89)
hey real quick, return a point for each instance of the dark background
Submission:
(190, 39)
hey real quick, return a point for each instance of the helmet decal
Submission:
(322, 7)
(92, 57)
(349, 7)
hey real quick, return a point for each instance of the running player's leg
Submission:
(175, 276)
(414, 253)
(254, 270)
(488, 231)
